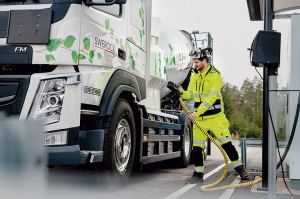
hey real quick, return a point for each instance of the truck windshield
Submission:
(26, 2)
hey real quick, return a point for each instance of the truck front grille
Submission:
(4, 17)
(13, 89)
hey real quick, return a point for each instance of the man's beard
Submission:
(200, 67)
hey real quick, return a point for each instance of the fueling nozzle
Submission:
(173, 87)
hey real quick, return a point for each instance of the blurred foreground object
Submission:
(21, 159)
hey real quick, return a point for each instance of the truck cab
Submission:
(84, 70)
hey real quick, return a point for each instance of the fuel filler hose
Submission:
(212, 187)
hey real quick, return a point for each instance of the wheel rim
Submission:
(122, 145)
(187, 141)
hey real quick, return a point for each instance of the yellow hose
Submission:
(211, 187)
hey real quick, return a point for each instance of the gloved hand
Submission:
(181, 90)
(192, 117)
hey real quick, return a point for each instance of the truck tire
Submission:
(120, 141)
(186, 144)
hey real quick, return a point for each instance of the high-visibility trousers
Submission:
(219, 126)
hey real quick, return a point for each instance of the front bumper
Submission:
(82, 147)
(64, 155)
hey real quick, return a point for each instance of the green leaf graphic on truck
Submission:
(142, 18)
(50, 58)
(86, 44)
(171, 60)
(54, 44)
(77, 56)
(108, 28)
(69, 41)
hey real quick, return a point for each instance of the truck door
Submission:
(103, 35)
(136, 36)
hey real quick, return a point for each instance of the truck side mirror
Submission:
(103, 2)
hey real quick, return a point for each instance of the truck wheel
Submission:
(120, 142)
(186, 144)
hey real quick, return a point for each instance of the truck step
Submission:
(91, 156)
(163, 138)
(161, 125)
(156, 158)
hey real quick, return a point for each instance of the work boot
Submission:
(242, 172)
(196, 178)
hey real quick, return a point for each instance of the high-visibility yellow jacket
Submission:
(204, 91)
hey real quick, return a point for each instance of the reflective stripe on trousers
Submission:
(199, 169)
(236, 163)
(198, 142)
(224, 140)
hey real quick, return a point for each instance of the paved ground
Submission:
(156, 181)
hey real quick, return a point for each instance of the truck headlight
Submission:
(49, 99)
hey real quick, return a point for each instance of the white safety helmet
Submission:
(201, 53)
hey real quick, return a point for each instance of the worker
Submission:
(204, 90)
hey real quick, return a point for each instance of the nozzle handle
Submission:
(173, 87)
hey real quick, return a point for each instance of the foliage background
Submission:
(244, 109)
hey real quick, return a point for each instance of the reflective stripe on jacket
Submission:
(205, 91)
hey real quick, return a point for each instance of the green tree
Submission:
(243, 107)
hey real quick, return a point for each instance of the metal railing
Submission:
(252, 142)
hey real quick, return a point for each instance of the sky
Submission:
(229, 24)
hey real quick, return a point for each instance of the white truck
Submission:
(93, 74)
